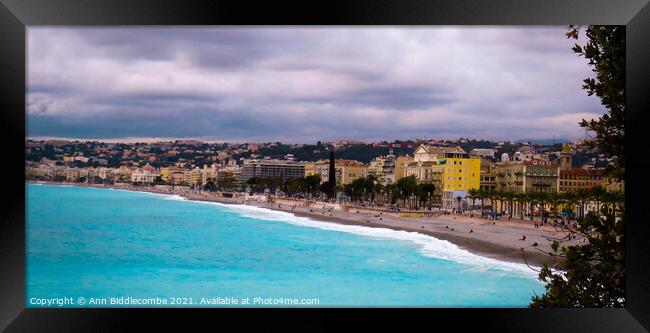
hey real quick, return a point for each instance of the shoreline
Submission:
(499, 240)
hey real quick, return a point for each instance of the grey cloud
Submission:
(303, 84)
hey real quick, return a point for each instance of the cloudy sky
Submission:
(305, 84)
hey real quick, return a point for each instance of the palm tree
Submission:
(501, 196)
(492, 195)
(507, 198)
(570, 199)
(582, 196)
(521, 199)
(473, 194)
(482, 194)
(555, 199)
(597, 193)
(533, 199)
(543, 198)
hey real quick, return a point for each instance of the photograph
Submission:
(325, 166)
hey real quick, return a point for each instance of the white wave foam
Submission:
(171, 197)
(429, 246)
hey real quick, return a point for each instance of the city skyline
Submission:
(300, 85)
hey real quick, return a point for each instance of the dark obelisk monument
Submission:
(332, 176)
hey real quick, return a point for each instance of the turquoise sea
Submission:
(116, 248)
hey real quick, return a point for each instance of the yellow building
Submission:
(461, 173)
(178, 177)
(231, 172)
(166, 174)
(401, 163)
(124, 173)
(376, 167)
(193, 177)
(310, 169)
(349, 170)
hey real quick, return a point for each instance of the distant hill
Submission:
(545, 141)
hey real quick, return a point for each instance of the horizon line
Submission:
(239, 141)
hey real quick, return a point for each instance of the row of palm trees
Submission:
(524, 204)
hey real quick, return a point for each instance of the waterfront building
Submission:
(105, 173)
(230, 172)
(178, 177)
(461, 173)
(574, 179)
(72, 174)
(271, 168)
(383, 167)
(428, 172)
(349, 170)
(310, 168)
(146, 174)
(166, 174)
(488, 176)
(124, 173)
(322, 168)
(209, 173)
(401, 163)
(527, 176)
(193, 177)
(42, 171)
(58, 173)
(346, 170)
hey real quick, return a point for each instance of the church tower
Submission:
(565, 158)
